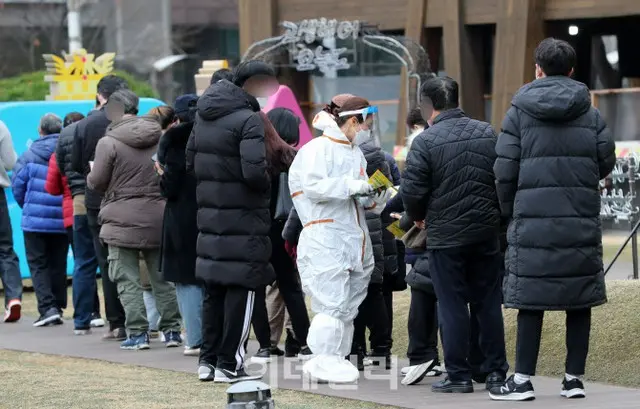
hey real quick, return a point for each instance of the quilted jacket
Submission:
(449, 181)
(41, 211)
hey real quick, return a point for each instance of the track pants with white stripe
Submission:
(226, 321)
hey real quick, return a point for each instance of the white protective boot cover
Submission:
(330, 340)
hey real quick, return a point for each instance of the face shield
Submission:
(370, 127)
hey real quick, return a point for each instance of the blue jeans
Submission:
(9, 266)
(153, 316)
(190, 299)
(84, 273)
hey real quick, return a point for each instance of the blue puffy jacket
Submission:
(41, 212)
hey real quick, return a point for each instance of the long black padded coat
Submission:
(449, 182)
(376, 160)
(179, 225)
(226, 151)
(553, 150)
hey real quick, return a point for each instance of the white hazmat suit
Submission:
(335, 258)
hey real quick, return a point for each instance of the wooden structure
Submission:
(519, 25)
(203, 76)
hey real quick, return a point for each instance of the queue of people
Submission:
(232, 227)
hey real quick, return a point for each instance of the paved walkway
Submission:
(379, 387)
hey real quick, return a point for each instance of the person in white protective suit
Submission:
(330, 191)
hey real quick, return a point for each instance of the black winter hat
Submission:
(251, 68)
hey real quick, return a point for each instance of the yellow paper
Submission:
(395, 229)
(379, 181)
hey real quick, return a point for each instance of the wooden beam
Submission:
(463, 59)
(519, 30)
(414, 29)
(257, 21)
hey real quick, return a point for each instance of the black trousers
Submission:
(289, 286)
(578, 324)
(226, 321)
(260, 319)
(112, 304)
(423, 328)
(96, 302)
(47, 259)
(462, 276)
(9, 264)
(372, 314)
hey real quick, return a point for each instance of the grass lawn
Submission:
(53, 382)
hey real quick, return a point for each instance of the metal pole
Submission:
(166, 77)
(634, 236)
(119, 28)
(621, 249)
(74, 25)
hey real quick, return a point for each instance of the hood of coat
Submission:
(43, 147)
(139, 132)
(179, 134)
(556, 98)
(375, 158)
(224, 98)
(323, 120)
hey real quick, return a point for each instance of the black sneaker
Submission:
(51, 317)
(291, 345)
(448, 386)
(480, 378)
(511, 391)
(573, 389)
(206, 372)
(305, 353)
(276, 351)
(263, 356)
(494, 380)
(227, 376)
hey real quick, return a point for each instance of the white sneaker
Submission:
(96, 322)
(206, 372)
(190, 351)
(82, 331)
(417, 373)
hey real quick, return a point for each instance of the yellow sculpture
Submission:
(75, 76)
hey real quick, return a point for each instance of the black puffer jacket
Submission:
(88, 132)
(449, 181)
(227, 153)
(553, 150)
(376, 160)
(64, 149)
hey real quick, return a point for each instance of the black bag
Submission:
(284, 203)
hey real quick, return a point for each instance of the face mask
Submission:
(361, 137)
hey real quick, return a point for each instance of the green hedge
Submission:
(32, 87)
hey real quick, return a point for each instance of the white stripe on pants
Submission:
(246, 326)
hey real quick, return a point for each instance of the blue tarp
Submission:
(22, 119)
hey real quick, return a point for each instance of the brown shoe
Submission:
(118, 334)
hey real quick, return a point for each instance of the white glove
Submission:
(359, 187)
(383, 197)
